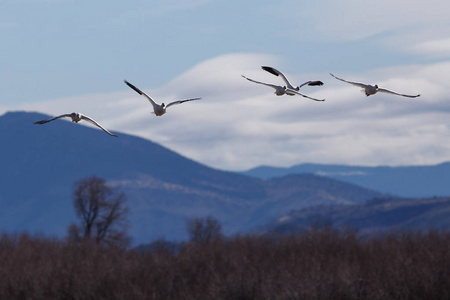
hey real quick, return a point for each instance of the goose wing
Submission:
(300, 94)
(142, 94)
(351, 82)
(266, 84)
(96, 124)
(278, 73)
(181, 101)
(312, 83)
(52, 119)
(395, 93)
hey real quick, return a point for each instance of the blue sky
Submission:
(60, 56)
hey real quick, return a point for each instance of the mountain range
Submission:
(404, 181)
(164, 189)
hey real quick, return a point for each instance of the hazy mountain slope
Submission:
(40, 164)
(375, 216)
(294, 192)
(407, 181)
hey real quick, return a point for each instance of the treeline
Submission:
(318, 264)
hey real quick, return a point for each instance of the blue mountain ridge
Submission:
(405, 181)
(40, 164)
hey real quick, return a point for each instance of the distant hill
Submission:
(41, 163)
(371, 217)
(406, 181)
(293, 192)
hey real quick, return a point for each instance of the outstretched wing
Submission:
(52, 119)
(96, 124)
(181, 101)
(278, 73)
(312, 83)
(142, 94)
(300, 94)
(394, 93)
(362, 85)
(258, 82)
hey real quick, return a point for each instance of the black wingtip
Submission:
(133, 87)
(315, 83)
(270, 70)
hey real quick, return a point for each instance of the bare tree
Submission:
(102, 213)
(204, 229)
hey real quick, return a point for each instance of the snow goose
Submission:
(288, 84)
(373, 89)
(288, 89)
(76, 117)
(158, 110)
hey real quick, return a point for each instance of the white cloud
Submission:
(437, 48)
(239, 124)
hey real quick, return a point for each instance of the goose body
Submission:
(279, 90)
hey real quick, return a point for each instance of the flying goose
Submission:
(288, 84)
(373, 89)
(76, 117)
(158, 110)
(289, 90)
